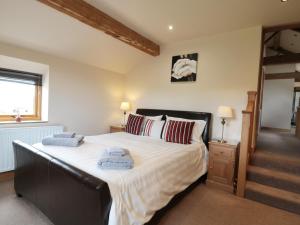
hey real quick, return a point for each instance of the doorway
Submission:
(279, 82)
(278, 111)
(296, 105)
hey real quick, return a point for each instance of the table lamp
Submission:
(125, 106)
(224, 112)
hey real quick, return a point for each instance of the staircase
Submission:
(274, 178)
(268, 163)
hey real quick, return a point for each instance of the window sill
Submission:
(4, 124)
(23, 122)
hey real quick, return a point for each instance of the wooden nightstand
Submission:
(222, 157)
(114, 129)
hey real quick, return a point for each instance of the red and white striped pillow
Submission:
(178, 131)
(197, 130)
(134, 124)
(148, 127)
(153, 128)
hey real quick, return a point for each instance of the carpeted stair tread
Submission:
(276, 161)
(277, 179)
(273, 196)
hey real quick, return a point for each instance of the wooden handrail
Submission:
(252, 97)
(298, 123)
(248, 141)
(251, 101)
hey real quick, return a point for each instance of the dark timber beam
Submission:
(277, 76)
(281, 51)
(271, 37)
(94, 17)
(281, 27)
(282, 59)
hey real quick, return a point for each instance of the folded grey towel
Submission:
(69, 142)
(115, 162)
(65, 135)
(116, 151)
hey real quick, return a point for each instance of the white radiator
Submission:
(29, 135)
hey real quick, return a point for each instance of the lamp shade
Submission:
(125, 106)
(224, 112)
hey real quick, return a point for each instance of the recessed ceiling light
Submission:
(170, 27)
(284, 0)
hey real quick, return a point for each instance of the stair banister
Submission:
(247, 145)
(298, 123)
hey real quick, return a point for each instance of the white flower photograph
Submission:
(184, 67)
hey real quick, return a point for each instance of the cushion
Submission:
(153, 128)
(156, 118)
(150, 117)
(134, 124)
(197, 130)
(178, 131)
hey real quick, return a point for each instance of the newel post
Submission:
(243, 156)
(252, 99)
(248, 141)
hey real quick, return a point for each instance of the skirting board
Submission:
(275, 129)
(216, 185)
(7, 176)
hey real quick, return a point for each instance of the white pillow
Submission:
(197, 130)
(150, 117)
(156, 118)
(153, 128)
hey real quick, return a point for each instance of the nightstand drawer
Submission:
(222, 152)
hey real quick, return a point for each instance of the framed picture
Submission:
(184, 67)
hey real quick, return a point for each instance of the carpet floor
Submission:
(203, 206)
(281, 143)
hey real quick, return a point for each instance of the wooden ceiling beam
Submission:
(271, 37)
(277, 76)
(282, 59)
(281, 27)
(94, 17)
(281, 51)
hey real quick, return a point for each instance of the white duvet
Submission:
(161, 170)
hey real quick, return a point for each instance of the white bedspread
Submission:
(161, 170)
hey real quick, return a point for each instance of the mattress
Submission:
(161, 170)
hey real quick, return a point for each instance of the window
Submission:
(20, 94)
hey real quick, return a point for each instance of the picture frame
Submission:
(184, 68)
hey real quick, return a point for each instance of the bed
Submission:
(66, 185)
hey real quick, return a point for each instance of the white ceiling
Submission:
(30, 24)
(290, 40)
(195, 18)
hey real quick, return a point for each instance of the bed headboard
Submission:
(182, 114)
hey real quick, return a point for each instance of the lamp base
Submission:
(222, 141)
(124, 119)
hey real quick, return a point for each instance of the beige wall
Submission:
(86, 99)
(227, 68)
(83, 98)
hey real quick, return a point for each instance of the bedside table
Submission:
(221, 168)
(114, 129)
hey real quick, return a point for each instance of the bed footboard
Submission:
(65, 194)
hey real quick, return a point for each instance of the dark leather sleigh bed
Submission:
(69, 196)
